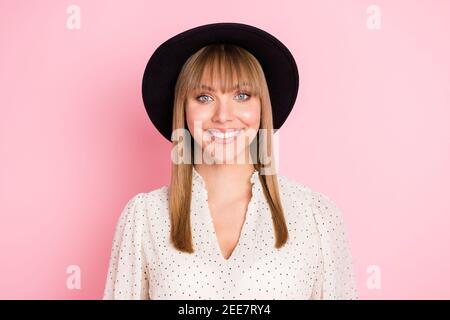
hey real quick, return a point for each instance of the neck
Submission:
(226, 181)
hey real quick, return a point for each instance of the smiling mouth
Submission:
(224, 137)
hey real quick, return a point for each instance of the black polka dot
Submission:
(315, 263)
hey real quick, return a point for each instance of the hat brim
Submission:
(164, 66)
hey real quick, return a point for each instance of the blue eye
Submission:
(202, 100)
(243, 94)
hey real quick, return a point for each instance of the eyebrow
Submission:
(236, 86)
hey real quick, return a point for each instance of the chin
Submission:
(234, 158)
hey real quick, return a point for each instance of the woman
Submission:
(227, 226)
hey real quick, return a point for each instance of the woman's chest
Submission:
(257, 270)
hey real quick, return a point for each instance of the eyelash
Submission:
(240, 92)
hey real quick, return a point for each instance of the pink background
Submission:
(371, 129)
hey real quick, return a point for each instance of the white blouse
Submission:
(315, 263)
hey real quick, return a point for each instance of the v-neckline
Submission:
(248, 216)
(242, 233)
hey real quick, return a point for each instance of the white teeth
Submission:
(224, 135)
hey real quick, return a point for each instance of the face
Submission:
(223, 123)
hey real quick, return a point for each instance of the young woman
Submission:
(227, 226)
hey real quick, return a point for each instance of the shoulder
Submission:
(144, 205)
(132, 211)
(291, 189)
(287, 182)
(320, 203)
(156, 198)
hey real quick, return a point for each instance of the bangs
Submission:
(225, 68)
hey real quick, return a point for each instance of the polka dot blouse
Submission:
(315, 263)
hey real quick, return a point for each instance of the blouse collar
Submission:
(201, 215)
(199, 183)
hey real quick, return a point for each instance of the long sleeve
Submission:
(127, 274)
(338, 279)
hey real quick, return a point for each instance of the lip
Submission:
(224, 136)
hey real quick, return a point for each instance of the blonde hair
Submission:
(225, 60)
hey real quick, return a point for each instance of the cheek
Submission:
(196, 114)
(251, 116)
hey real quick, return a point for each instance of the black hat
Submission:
(164, 66)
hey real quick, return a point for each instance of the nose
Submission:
(223, 112)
